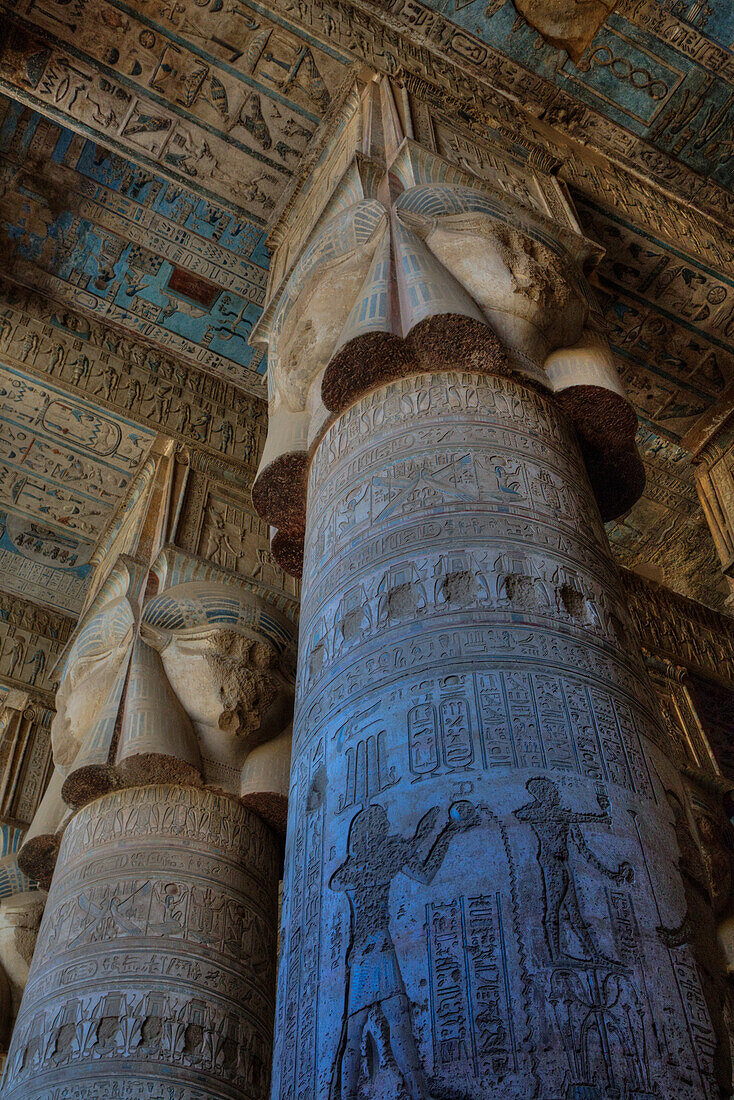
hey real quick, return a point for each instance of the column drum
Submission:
(153, 975)
(483, 888)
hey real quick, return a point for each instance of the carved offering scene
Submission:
(366, 550)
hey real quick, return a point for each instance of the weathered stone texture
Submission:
(154, 970)
(483, 892)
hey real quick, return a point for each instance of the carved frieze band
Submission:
(90, 359)
(680, 629)
(155, 959)
(407, 35)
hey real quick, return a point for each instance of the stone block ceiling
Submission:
(171, 131)
(638, 80)
(64, 467)
(666, 535)
(670, 317)
(212, 93)
(671, 324)
(99, 233)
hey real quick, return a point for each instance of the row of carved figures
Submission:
(403, 594)
(149, 1027)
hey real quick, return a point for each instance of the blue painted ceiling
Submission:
(97, 232)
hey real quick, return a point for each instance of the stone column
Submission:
(154, 974)
(711, 443)
(154, 969)
(482, 895)
(483, 890)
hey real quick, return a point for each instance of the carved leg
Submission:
(402, 1045)
(351, 1059)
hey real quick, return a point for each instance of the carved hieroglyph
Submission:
(483, 895)
(154, 969)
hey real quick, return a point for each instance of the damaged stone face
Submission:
(241, 666)
(569, 25)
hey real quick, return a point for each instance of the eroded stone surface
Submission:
(568, 24)
(484, 896)
(154, 968)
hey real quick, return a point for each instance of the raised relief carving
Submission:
(376, 1026)
(698, 929)
(555, 828)
(151, 387)
(148, 878)
(464, 638)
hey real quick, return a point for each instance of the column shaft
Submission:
(154, 970)
(482, 889)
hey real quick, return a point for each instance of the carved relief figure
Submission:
(698, 929)
(17, 656)
(556, 828)
(377, 1008)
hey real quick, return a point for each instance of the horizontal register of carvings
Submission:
(32, 639)
(389, 36)
(93, 360)
(407, 37)
(680, 629)
(711, 443)
(412, 264)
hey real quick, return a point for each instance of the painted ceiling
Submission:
(208, 92)
(172, 128)
(670, 321)
(98, 233)
(64, 467)
(634, 78)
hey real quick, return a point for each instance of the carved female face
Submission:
(90, 671)
(232, 687)
(526, 289)
(222, 650)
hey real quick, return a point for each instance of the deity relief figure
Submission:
(17, 656)
(556, 828)
(697, 929)
(376, 1003)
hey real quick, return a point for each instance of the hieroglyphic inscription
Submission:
(88, 358)
(461, 611)
(31, 641)
(681, 629)
(472, 73)
(301, 932)
(157, 951)
(470, 985)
